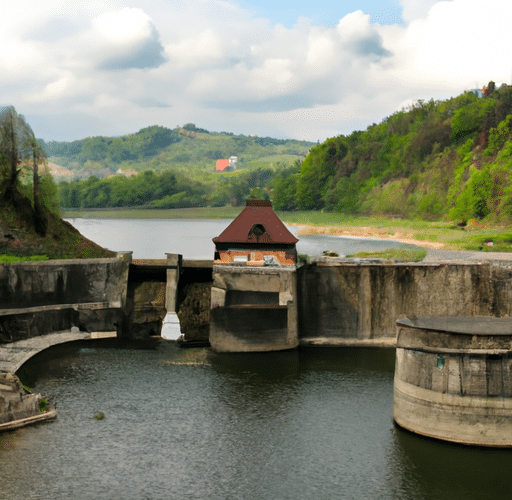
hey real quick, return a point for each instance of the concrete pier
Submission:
(253, 309)
(453, 379)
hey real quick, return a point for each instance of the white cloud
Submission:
(126, 64)
(464, 41)
(124, 26)
(416, 9)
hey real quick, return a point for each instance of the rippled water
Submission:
(188, 423)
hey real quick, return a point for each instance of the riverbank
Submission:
(443, 234)
(366, 232)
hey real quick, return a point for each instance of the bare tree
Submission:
(40, 219)
(17, 144)
(14, 136)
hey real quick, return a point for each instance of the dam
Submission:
(337, 302)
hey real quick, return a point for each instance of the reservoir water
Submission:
(153, 238)
(191, 424)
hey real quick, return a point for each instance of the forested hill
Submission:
(188, 148)
(435, 158)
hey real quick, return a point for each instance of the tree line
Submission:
(143, 144)
(168, 189)
(437, 158)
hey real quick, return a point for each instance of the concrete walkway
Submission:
(14, 354)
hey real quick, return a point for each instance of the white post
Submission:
(171, 325)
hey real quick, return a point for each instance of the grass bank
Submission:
(439, 234)
(19, 240)
(152, 213)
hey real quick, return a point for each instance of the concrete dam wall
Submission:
(37, 298)
(346, 302)
(361, 301)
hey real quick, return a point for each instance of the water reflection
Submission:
(197, 424)
(189, 423)
(439, 469)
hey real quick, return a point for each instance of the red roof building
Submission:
(222, 164)
(256, 237)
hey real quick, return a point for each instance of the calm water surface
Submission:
(153, 238)
(308, 424)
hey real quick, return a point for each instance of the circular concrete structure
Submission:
(453, 379)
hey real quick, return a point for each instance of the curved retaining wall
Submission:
(453, 379)
(37, 298)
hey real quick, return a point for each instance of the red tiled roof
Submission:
(222, 164)
(243, 230)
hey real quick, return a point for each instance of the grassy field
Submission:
(440, 234)
(147, 213)
(400, 254)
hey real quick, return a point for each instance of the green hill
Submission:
(438, 158)
(435, 159)
(188, 149)
(177, 166)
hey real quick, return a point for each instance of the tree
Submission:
(469, 119)
(18, 144)
(40, 220)
(14, 133)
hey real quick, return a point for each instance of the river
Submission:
(191, 424)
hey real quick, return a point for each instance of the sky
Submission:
(297, 69)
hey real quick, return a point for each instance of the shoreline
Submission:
(365, 232)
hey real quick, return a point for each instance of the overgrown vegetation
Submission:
(30, 223)
(435, 159)
(44, 407)
(7, 259)
(189, 150)
(396, 254)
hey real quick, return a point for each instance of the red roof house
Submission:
(222, 164)
(257, 236)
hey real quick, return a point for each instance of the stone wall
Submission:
(15, 403)
(363, 300)
(28, 284)
(40, 297)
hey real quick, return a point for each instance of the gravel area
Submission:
(434, 255)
